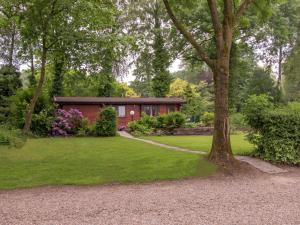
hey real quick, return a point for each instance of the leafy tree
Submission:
(77, 83)
(291, 82)
(9, 33)
(223, 27)
(161, 80)
(123, 90)
(9, 83)
(262, 83)
(57, 83)
(46, 23)
(143, 74)
(278, 35)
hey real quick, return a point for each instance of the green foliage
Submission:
(106, 124)
(145, 126)
(208, 118)
(291, 82)
(106, 85)
(262, 83)
(41, 122)
(42, 116)
(276, 135)
(11, 137)
(161, 124)
(238, 122)
(162, 78)
(9, 83)
(174, 120)
(57, 83)
(254, 107)
(137, 128)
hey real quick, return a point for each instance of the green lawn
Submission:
(83, 161)
(203, 143)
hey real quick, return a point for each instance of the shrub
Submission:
(68, 122)
(148, 121)
(41, 123)
(11, 137)
(139, 129)
(255, 106)
(174, 120)
(208, 118)
(161, 124)
(19, 104)
(106, 124)
(238, 122)
(276, 135)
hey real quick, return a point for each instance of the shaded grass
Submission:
(86, 161)
(240, 146)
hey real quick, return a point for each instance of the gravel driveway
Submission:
(261, 199)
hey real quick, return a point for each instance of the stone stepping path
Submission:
(257, 163)
(261, 165)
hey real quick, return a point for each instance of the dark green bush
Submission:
(174, 120)
(42, 117)
(276, 134)
(11, 137)
(106, 124)
(139, 129)
(41, 123)
(161, 124)
(255, 106)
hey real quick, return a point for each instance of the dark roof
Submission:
(116, 100)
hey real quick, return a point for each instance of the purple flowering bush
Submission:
(68, 122)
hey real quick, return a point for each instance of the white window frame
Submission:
(121, 111)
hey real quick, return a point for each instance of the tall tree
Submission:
(224, 26)
(162, 78)
(82, 26)
(9, 32)
(9, 83)
(291, 81)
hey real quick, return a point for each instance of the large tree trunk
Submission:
(221, 152)
(37, 93)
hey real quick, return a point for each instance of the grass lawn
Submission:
(83, 161)
(203, 143)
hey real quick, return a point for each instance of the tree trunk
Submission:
(279, 67)
(37, 93)
(221, 152)
(12, 46)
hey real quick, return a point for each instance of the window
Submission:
(151, 110)
(121, 111)
(171, 108)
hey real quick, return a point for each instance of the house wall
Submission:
(91, 112)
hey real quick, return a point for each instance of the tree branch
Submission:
(241, 9)
(200, 51)
(216, 22)
(228, 21)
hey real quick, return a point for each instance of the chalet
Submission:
(128, 109)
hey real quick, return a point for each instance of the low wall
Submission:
(193, 131)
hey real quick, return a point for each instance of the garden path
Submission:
(257, 163)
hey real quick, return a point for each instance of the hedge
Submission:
(276, 134)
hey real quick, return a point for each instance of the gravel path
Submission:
(258, 199)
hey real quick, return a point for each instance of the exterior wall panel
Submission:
(91, 111)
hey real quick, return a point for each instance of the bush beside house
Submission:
(162, 124)
(106, 124)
